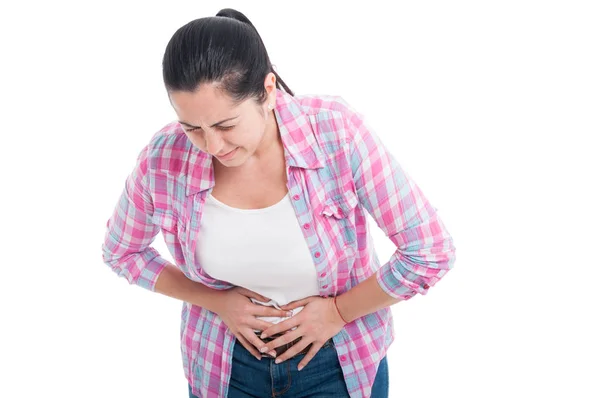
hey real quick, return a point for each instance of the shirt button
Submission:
(323, 274)
(343, 358)
(325, 286)
(296, 197)
(306, 226)
(426, 286)
(317, 254)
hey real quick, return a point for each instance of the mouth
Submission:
(228, 155)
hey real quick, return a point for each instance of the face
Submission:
(215, 125)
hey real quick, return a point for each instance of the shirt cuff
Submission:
(389, 282)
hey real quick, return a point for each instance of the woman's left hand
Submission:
(316, 323)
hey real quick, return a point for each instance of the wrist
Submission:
(213, 300)
(337, 309)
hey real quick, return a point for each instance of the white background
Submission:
(492, 108)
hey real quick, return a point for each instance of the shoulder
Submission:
(314, 103)
(169, 149)
(331, 117)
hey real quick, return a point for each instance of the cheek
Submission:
(253, 136)
(197, 140)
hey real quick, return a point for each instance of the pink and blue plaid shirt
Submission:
(338, 171)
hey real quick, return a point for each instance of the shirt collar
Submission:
(301, 148)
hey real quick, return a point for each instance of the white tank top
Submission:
(262, 250)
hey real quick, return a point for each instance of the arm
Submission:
(130, 231)
(424, 249)
(173, 283)
(126, 248)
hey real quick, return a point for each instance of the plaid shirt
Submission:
(338, 170)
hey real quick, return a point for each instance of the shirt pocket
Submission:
(338, 215)
(174, 233)
(172, 227)
(166, 220)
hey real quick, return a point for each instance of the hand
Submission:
(316, 323)
(239, 314)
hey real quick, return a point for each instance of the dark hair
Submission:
(225, 49)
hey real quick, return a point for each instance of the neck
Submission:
(271, 140)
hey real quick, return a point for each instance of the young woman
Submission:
(262, 198)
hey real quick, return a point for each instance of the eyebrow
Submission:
(216, 124)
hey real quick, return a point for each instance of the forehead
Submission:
(206, 105)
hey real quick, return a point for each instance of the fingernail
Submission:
(262, 336)
(273, 354)
(300, 367)
(290, 313)
(278, 360)
(264, 349)
(259, 358)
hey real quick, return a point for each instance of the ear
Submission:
(270, 86)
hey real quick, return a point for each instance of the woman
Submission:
(262, 197)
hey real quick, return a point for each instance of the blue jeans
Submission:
(322, 377)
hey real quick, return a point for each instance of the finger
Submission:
(309, 355)
(249, 346)
(261, 310)
(298, 303)
(252, 294)
(293, 350)
(279, 327)
(259, 324)
(283, 339)
(258, 344)
(292, 305)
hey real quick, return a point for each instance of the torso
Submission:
(253, 186)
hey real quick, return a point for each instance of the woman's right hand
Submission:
(239, 314)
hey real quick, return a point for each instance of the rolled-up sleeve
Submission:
(130, 231)
(425, 250)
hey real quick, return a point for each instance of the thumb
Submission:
(297, 303)
(254, 295)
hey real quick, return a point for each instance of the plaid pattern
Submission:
(338, 171)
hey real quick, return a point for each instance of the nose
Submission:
(214, 143)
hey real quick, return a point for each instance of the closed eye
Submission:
(224, 128)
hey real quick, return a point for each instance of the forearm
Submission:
(363, 299)
(173, 283)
